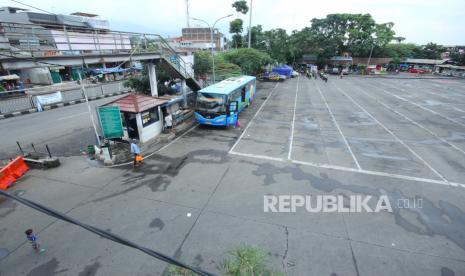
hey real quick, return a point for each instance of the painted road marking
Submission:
(293, 121)
(413, 122)
(417, 105)
(392, 134)
(337, 125)
(250, 122)
(348, 169)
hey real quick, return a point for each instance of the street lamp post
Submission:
(211, 39)
(373, 37)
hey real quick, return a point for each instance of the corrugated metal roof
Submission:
(228, 85)
(425, 61)
(136, 103)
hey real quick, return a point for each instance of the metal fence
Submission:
(26, 102)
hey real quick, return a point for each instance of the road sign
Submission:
(110, 121)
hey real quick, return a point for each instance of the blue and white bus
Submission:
(220, 104)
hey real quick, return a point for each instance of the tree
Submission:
(458, 57)
(398, 51)
(141, 83)
(353, 33)
(235, 27)
(241, 6)
(430, 51)
(202, 63)
(250, 61)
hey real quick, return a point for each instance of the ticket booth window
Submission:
(150, 116)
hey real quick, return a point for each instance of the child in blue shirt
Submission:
(31, 237)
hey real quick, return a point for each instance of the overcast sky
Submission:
(420, 21)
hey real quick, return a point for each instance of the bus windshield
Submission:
(211, 102)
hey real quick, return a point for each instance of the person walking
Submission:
(33, 239)
(135, 150)
(169, 121)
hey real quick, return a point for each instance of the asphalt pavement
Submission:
(203, 193)
(67, 130)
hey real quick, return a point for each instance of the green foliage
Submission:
(246, 261)
(250, 60)
(430, 51)
(202, 63)
(236, 26)
(237, 41)
(139, 83)
(241, 6)
(142, 83)
(224, 70)
(353, 33)
(174, 270)
(2, 89)
(398, 51)
(458, 57)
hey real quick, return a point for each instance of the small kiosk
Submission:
(141, 116)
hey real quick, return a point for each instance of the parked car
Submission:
(417, 71)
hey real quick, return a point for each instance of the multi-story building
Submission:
(196, 38)
(26, 33)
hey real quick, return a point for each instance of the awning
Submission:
(9, 77)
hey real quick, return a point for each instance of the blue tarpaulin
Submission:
(112, 70)
(284, 70)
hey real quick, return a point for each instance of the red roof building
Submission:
(136, 103)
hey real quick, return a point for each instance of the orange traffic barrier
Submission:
(11, 172)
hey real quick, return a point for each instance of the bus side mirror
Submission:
(233, 107)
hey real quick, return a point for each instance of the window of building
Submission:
(150, 116)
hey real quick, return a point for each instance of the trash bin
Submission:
(90, 149)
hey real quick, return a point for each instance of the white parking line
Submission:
(413, 122)
(293, 120)
(392, 134)
(248, 125)
(256, 156)
(353, 170)
(417, 105)
(337, 125)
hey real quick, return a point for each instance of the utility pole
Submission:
(211, 40)
(187, 14)
(250, 23)
(89, 109)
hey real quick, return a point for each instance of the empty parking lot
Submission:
(400, 128)
(203, 193)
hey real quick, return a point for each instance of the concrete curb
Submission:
(53, 106)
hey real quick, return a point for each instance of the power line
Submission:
(103, 233)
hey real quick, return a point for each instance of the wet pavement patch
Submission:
(90, 270)
(49, 268)
(157, 223)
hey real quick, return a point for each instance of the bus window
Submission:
(243, 94)
(211, 102)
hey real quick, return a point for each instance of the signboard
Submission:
(49, 98)
(110, 121)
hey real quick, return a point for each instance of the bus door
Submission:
(243, 97)
(233, 110)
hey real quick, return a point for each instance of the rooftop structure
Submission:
(136, 103)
